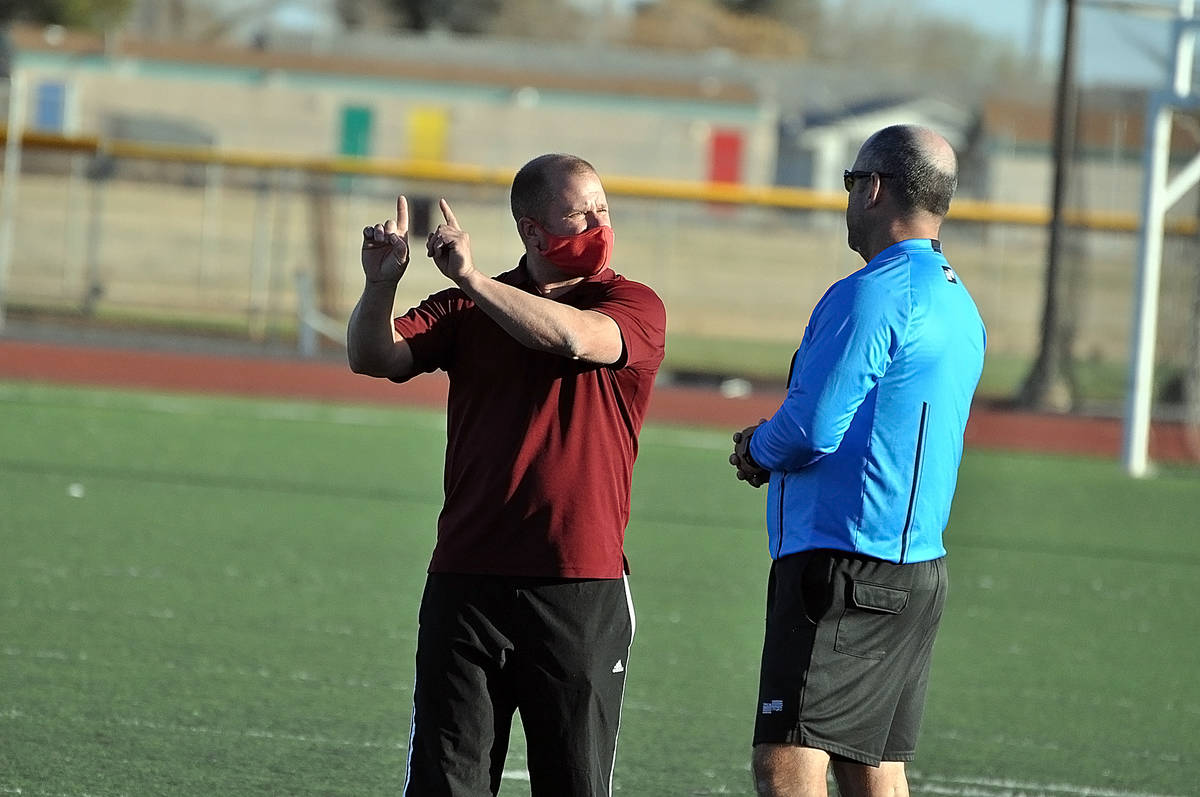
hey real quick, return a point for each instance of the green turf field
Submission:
(206, 596)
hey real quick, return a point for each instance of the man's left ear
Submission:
(530, 232)
(874, 191)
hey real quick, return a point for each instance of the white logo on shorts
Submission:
(772, 707)
(618, 667)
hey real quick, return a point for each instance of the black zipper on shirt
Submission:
(916, 481)
(782, 480)
(779, 547)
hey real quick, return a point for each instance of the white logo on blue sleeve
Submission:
(772, 707)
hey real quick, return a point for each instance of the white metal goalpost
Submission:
(9, 179)
(1159, 193)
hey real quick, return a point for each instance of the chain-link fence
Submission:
(225, 247)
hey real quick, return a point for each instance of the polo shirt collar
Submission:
(910, 245)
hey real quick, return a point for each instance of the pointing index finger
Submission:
(451, 222)
(402, 214)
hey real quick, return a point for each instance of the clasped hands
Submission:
(747, 469)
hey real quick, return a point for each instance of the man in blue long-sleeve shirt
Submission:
(861, 461)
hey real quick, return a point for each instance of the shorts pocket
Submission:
(869, 622)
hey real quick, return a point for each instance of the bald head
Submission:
(535, 185)
(923, 164)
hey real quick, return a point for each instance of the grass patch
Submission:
(207, 595)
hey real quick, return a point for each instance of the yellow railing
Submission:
(765, 196)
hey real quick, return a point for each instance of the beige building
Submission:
(418, 101)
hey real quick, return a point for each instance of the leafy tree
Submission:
(697, 25)
(355, 14)
(91, 14)
(458, 16)
(550, 20)
(797, 12)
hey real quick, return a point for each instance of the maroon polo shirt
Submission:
(540, 448)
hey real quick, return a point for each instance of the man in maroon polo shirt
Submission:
(526, 607)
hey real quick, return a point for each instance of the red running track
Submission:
(989, 427)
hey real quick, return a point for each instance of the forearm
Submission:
(372, 346)
(786, 443)
(543, 324)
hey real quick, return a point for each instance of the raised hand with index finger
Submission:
(450, 246)
(385, 247)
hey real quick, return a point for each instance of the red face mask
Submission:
(582, 255)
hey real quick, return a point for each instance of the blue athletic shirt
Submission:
(864, 450)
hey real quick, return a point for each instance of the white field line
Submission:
(16, 790)
(309, 412)
(1027, 743)
(167, 613)
(249, 733)
(203, 668)
(44, 571)
(922, 783)
(209, 669)
(42, 793)
(686, 438)
(264, 409)
(253, 733)
(14, 714)
(956, 787)
(967, 786)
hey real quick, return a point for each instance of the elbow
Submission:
(807, 457)
(593, 349)
(572, 346)
(563, 343)
(357, 365)
(397, 367)
(794, 461)
(354, 352)
(364, 366)
(791, 455)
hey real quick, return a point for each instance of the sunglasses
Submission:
(848, 177)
